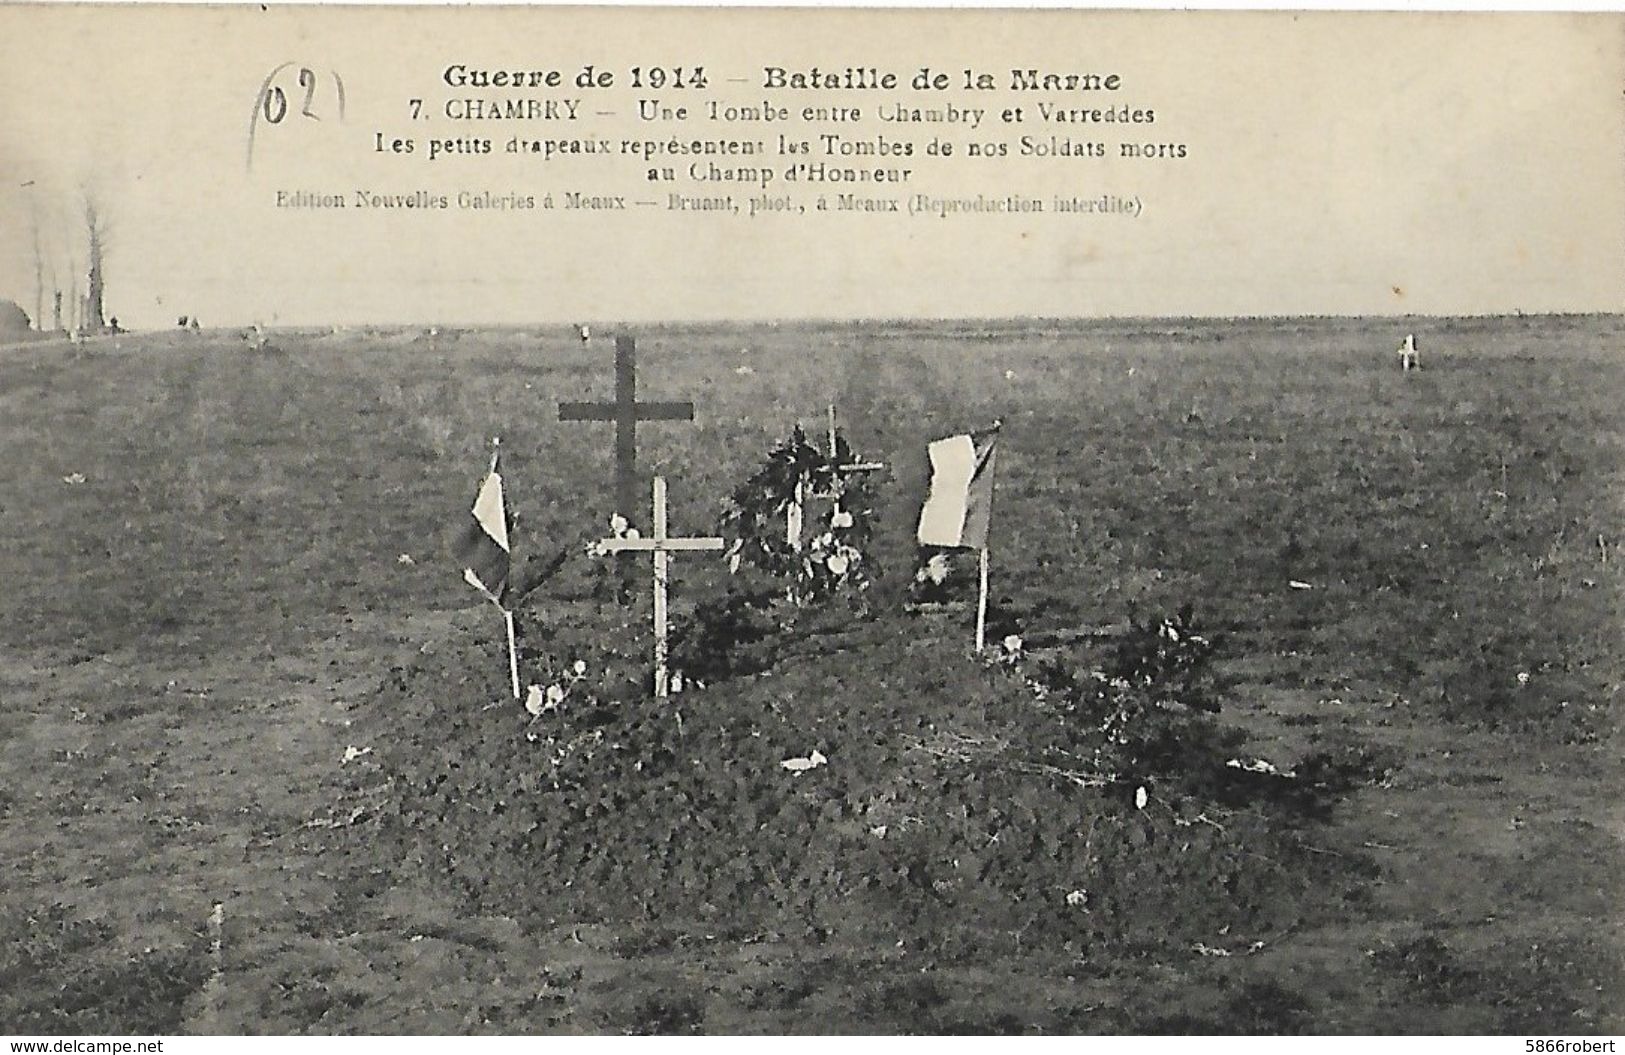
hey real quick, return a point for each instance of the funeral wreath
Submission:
(834, 559)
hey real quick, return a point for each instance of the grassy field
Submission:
(225, 566)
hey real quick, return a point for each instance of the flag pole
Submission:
(981, 600)
(981, 606)
(507, 616)
(662, 676)
(513, 652)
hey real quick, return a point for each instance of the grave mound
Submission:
(868, 779)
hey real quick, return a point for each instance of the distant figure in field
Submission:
(196, 326)
(182, 321)
(585, 333)
(1408, 360)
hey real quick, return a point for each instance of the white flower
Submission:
(405, 558)
(837, 564)
(580, 667)
(555, 695)
(533, 701)
(74, 478)
(618, 524)
(1009, 375)
(840, 519)
(1078, 898)
(1140, 798)
(1523, 677)
(1012, 643)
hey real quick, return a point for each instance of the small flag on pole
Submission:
(482, 546)
(959, 505)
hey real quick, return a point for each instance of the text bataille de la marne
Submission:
(828, 144)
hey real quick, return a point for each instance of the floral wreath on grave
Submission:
(834, 559)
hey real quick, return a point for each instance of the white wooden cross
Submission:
(795, 513)
(1408, 359)
(661, 545)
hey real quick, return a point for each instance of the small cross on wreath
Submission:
(834, 559)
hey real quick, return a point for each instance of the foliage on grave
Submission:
(735, 633)
(943, 575)
(1138, 716)
(933, 572)
(886, 788)
(566, 666)
(835, 559)
(750, 627)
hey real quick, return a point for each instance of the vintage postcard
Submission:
(805, 521)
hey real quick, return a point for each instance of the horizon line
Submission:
(883, 320)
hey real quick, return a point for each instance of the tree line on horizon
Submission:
(71, 310)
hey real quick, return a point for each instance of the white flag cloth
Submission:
(482, 546)
(958, 509)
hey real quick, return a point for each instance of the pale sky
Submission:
(1335, 164)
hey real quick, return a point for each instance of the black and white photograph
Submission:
(670, 521)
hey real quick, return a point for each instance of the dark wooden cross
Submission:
(626, 412)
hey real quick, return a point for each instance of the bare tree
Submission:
(39, 271)
(97, 236)
(56, 296)
(69, 234)
(75, 306)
